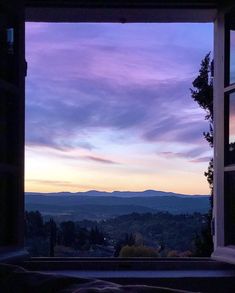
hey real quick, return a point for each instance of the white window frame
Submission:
(222, 252)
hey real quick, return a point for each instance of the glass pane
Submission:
(9, 136)
(230, 133)
(232, 56)
(230, 48)
(8, 208)
(230, 208)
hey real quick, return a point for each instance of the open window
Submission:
(12, 74)
(224, 111)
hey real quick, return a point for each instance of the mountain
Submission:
(98, 205)
(146, 193)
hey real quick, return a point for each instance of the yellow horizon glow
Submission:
(45, 172)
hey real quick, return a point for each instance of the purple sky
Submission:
(109, 107)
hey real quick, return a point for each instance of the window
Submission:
(224, 138)
(229, 187)
(14, 10)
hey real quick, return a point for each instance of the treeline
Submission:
(42, 237)
(160, 234)
(174, 232)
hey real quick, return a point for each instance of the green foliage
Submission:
(42, 238)
(35, 234)
(171, 232)
(138, 251)
(203, 242)
(96, 236)
(129, 240)
(162, 230)
(34, 224)
(203, 95)
(173, 253)
(67, 230)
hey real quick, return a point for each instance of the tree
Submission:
(68, 233)
(96, 236)
(35, 234)
(34, 224)
(51, 230)
(203, 95)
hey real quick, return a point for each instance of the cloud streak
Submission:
(58, 183)
(100, 160)
(195, 155)
(201, 160)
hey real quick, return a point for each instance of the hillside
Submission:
(96, 205)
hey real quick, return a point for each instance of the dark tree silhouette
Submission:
(34, 224)
(96, 236)
(52, 236)
(203, 95)
(68, 233)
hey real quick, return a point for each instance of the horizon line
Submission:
(120, 191)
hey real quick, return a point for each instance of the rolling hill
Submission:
(97, 205)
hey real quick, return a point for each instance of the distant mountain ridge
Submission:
(98, 205)
(148, 193)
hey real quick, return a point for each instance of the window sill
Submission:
(130, 264)
(13, 255)
(226, 254)
(193, 274)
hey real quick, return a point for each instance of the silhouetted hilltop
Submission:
(145, 193)
(97, 205)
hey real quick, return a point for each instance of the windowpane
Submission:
(232, 56)
(230, 45)
(230, 208)
(230, 133)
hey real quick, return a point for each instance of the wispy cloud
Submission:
(188, 154)
(59, 183)
(100, 160)
(201, 160)
(88, 77)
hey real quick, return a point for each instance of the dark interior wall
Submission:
(12, 71)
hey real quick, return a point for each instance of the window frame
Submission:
(14, 84)
(196, 12)
(222, 88)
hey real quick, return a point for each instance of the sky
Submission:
(108, 107)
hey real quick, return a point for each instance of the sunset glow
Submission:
(108, 107)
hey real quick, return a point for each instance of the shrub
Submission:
(173, 253)
(138, 251)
